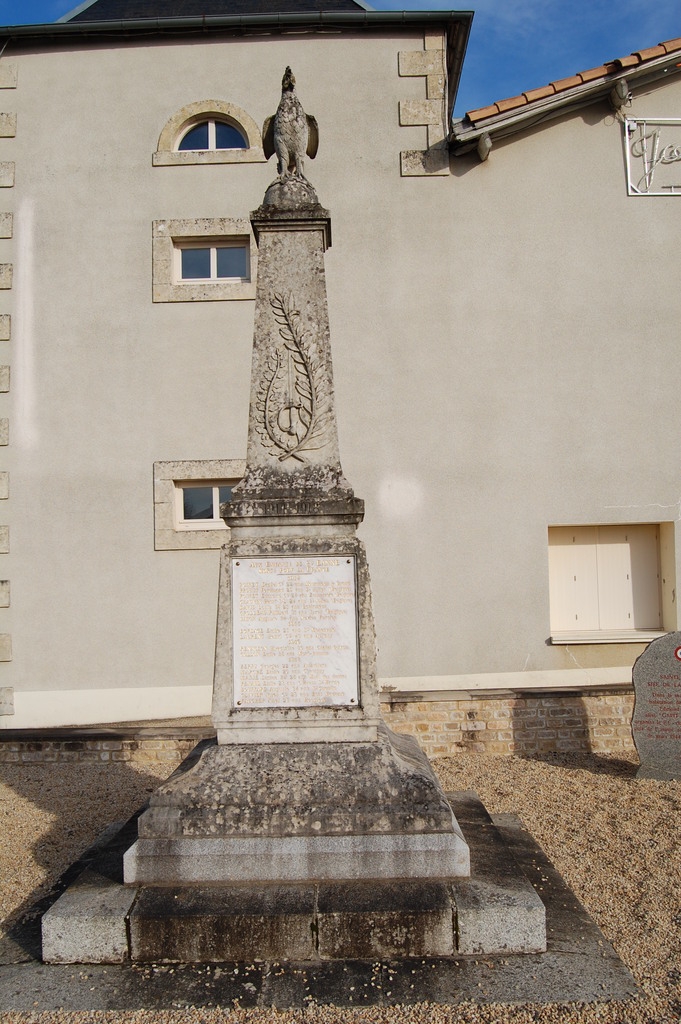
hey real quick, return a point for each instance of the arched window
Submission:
(212, 135)
(209, 132)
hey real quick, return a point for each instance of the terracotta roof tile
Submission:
(652, 52)
(628, 62)
(592, 73)
(566, 83)
(612, 67)
(483, 112)
(511, 104)
(539, 94)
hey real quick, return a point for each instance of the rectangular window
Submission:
(187, 497)
(198, 504)
(216, 262)
(605, 583)
(206, 260)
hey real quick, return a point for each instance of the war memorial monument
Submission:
(307, 833)
(305, 784)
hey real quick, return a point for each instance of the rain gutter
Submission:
(466, 135)
(238, 22)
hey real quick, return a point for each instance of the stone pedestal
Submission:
(305, 783)
(300, 811)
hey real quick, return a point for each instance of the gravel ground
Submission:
(615, 839)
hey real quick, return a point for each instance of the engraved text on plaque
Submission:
(295, 631)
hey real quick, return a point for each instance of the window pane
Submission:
(225, 493)
(232, 261)
(195, 263)
(227, 137)
(197, 502)
(196, 138)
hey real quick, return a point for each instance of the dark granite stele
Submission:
(579, 964)
(656, 721)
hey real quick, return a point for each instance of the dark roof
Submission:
(128, 10)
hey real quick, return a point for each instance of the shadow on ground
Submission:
(89, 804)
(596, 764)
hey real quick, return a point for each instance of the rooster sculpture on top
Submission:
(290, 133)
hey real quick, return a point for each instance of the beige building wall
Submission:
(504, 341)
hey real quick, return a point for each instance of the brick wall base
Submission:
(142, 750)
(546, 723)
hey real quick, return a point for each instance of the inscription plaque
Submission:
(294, 631)
(656, 722)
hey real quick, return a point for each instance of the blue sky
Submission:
(514, 45)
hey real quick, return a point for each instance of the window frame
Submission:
(212, 147)
(215, 523)
(167, 154)
(169, 236)
(665, 570)
(212, 244)
(171, 531)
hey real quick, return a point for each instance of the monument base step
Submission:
(292, 922)
(291, 812)
(496, 910)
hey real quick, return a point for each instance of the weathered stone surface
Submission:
(8, 75)
(415, 163)
(292, 194)
(385, 919)
(8, 125)
(87, 923)
(6, 173)
(6, 700)
(292, 435)
(213, 924)
(196, 859)
(340, 723)
(497, 908)
(310, 789)
(656, 722)
(420, 112)
(420, 62)
(339, 811)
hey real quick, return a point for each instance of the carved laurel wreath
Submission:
(294, 396)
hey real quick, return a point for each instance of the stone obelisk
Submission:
(305, 781)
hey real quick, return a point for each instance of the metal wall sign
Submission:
(295, 631)
(653, 148)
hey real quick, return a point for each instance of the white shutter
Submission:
(573, 578)
(645, 573)
(615, 585)
(604, 578)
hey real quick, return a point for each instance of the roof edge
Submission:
(547, 103)
(369, 18)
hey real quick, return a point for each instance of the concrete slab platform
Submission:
(384, 920)
(497, 909)
(211, 924)
(378, 915)
(87, 924)
(579, 965)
